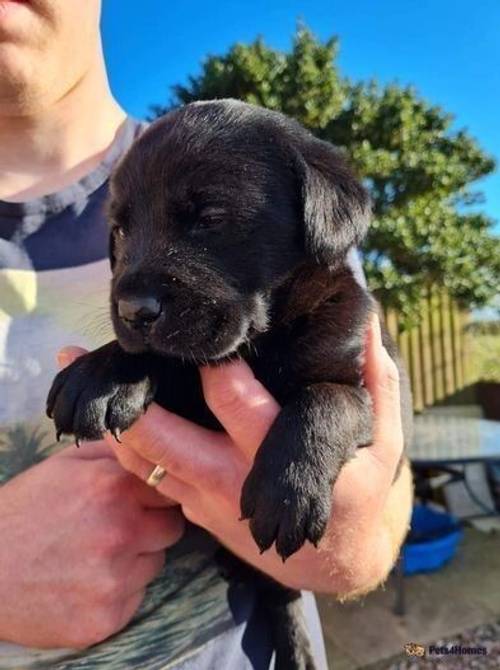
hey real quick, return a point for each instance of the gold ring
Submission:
(156, 476)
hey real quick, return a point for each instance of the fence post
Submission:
(437, 351)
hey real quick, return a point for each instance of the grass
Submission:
(485, 353)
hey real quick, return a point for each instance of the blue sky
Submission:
(448, 49)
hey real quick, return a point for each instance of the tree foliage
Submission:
(427, 229)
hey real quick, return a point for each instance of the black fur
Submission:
(235, 222)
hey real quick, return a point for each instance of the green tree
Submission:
(419, 169)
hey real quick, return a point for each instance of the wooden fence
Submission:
(436, 352)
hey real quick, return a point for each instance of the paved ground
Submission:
(463, 596)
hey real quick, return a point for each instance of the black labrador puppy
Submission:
(230, 226)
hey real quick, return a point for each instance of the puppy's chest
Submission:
(284, 360)
(180, 391)
(274, 363)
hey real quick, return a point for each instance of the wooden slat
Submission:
(404, 348)
(469, 372)
(391, 321)
(426, 354)
(447, 345)
(416, 370)
(436, 350)
(457, 344)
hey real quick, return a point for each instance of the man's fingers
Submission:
(131, 461)
(147, 495)
(91, 451)
(67, 355)
(382, 382)
(150, 496)
(240, 402)
(144, 569)
(132, 604)
(380, 459)
(160, 529)
(188, 452)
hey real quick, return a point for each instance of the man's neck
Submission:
(56, 145)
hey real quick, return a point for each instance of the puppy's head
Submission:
(211, 210)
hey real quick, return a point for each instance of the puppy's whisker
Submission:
(170, 335)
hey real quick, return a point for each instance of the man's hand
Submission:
(81, 539)
(206, 470)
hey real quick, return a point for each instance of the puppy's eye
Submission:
(210, 218)
(119, 232)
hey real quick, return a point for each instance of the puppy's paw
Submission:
(96, 394)
(287, 507)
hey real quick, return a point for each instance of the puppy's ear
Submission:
(336, 207)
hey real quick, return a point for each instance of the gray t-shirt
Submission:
(54, 283)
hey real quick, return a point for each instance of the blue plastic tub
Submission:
(432, 541)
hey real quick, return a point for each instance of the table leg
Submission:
(400, 603)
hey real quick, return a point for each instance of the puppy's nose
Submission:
(139, 311)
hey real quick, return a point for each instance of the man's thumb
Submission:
(240, 402)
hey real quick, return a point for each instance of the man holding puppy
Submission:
(95, 569)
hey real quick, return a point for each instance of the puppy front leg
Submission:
(287, 495)
(106, 389)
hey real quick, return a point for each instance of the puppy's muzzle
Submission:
(139, 311)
